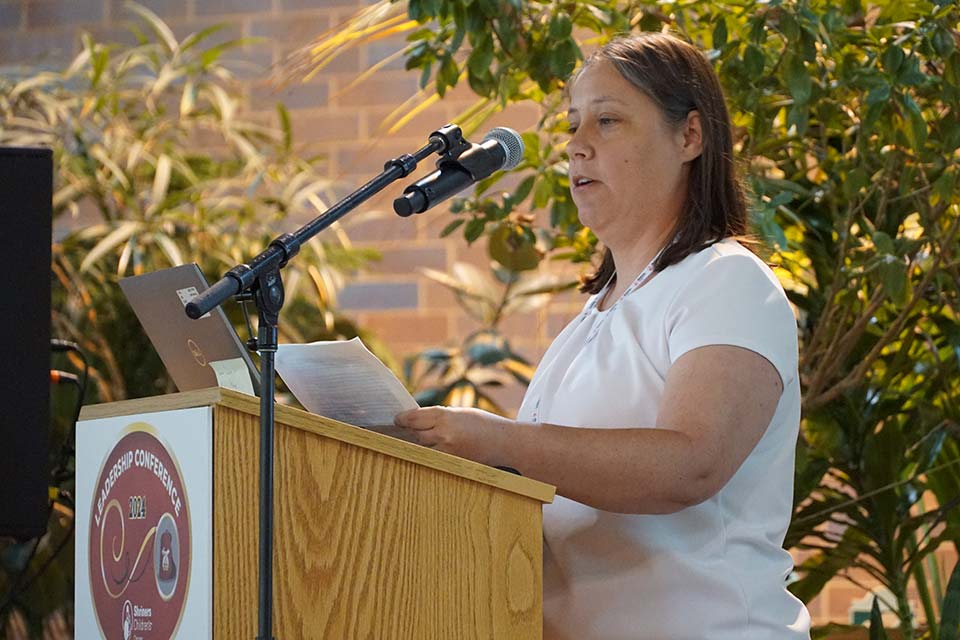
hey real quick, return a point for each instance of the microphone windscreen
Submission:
(511, 143)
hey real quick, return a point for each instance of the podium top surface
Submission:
(325, 427)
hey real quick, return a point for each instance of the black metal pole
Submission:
(268, 292)
(265, 594)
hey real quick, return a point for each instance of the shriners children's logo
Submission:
(139, 540)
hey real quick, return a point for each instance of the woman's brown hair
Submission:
(679, 79)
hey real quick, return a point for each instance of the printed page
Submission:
(344, 381)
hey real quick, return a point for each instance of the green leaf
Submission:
(560, 27)
(893, 274)
(855, 181)
(720, 32)
(878, 95)
(950, 618)
(158, 26)
(481, 57)
(451, 227)
(523, 190)
(892, 58)
(119, 235)
(798, 80)
(753, 60)
(883, 242)
(943, 187)
(285, 126)
(917, 130)
(563, 59)
(877, 632)
(447, 75)
(484, 353)
(474, 229)
(509, 246)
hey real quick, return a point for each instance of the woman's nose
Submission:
(578, 146)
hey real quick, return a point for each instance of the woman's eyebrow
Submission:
(598, 100)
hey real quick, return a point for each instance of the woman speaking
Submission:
(666, 413)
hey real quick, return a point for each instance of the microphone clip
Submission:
(454, 144)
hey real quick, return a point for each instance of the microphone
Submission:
(501, 148)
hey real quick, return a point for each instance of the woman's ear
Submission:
(692, 136)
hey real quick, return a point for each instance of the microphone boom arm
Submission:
(447, 140)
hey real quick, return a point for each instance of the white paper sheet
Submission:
(233, 374)
(344, 381)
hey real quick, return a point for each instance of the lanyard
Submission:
(638, 282)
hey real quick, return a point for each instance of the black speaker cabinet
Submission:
(26, 186)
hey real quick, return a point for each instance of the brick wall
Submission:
(407, 311)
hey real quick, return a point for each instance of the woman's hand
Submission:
(469, 433)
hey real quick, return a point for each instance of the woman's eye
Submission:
(604, 120)
(572, 129)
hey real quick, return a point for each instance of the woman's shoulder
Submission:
(724, 260)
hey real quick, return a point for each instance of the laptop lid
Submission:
(187, 347)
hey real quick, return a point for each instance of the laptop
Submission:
(200, 353)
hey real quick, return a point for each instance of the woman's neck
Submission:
(631, 259)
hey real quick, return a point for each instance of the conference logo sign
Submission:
(139, 540)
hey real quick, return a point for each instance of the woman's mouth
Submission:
(581, 182)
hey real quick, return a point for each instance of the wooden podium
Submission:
(374, 537)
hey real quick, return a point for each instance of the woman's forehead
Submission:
(601, 84)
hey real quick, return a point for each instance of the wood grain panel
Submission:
(329, 429)
(369, 545)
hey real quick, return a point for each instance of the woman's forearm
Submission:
(621, 470)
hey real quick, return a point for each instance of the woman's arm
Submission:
(717, 403)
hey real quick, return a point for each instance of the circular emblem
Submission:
(139, 540)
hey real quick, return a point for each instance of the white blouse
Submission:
(714, 570)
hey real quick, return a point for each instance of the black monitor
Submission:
(26, 188)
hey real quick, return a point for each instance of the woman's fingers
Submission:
(419, 419)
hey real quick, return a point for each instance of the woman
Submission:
(666, 413)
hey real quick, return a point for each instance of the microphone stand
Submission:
(260, 281)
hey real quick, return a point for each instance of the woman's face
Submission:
(628, 166)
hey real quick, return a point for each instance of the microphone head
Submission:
(511, 143)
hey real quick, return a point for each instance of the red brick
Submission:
(434, 295)
(48, 47)
(419, 127)
(229, 30)
(223, 7)
(382, 88)
(509, 397)
(407, 326)
(405, 261)
(290, 30)
(11, 15)
(520, 117)
(292, 5)
(166, 9)
(326, 127)
(380, 50)
(378, 295)
(366, 158)
(525, 325)
(56, 13)
(298, 96)
(250, 63)
(369, 225)
(556, 321)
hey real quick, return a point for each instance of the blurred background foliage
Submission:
(847, 131)
(156, 166)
